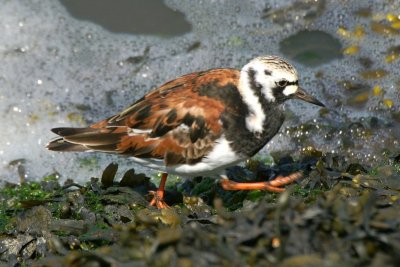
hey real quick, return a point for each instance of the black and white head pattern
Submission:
(266, 79)
(275, 77)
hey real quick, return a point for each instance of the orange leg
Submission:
(158, 196)
(273, 186)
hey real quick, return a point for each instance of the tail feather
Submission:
(95, 139)
(67, 131)
(61, 145)
(84, 139)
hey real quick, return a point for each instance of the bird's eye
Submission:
(282, 83)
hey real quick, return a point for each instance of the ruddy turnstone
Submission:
(198, 124)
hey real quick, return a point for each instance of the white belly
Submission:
(221, 157)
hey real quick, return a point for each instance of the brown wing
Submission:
(178, 122)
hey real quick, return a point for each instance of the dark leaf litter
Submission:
(339, 214)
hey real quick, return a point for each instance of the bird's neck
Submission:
(260, 109)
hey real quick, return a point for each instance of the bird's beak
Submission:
(303, 95)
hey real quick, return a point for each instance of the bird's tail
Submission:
(60, 144)
(87, 139)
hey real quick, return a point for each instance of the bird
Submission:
(198, 124)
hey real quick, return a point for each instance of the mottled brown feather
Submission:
(174, 122)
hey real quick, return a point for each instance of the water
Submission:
(57, 70)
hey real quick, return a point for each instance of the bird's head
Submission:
(274, 79)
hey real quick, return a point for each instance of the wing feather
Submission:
(176, 122)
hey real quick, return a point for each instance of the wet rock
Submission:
(21, 247)
(65, 211)
(35, 221)
(87, 215)
(118, 214)
(123, 195)
(69, 226)
(132, 17)
(311, 48)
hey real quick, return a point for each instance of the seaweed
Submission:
(339, 214)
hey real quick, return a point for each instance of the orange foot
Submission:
(158, 199)
(158, 196)
(273, 186)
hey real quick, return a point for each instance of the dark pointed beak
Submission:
(303, 95)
